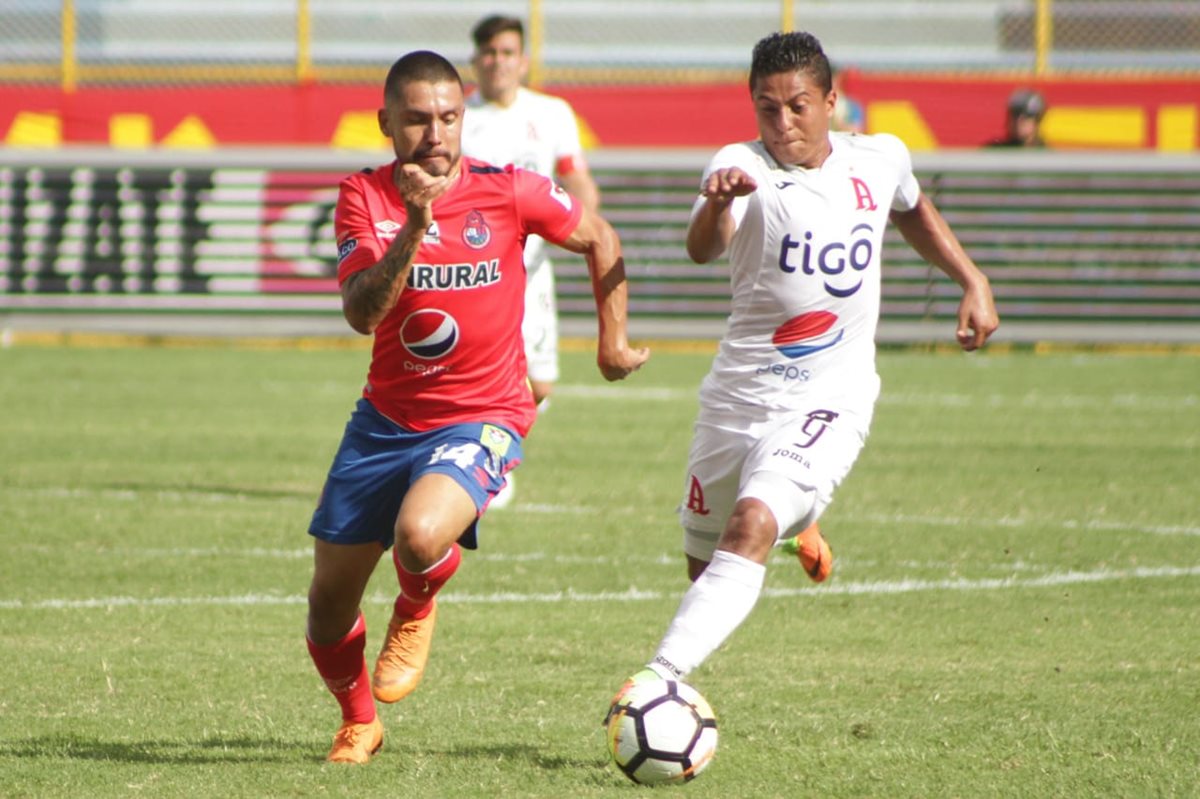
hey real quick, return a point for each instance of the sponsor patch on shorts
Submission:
(496, 439)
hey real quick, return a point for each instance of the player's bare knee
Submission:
(331, 612)
(420, 543)
(751, 529)
(789, 503)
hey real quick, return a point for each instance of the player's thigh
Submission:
(539, 327)
(435, 512)
(796, 467)
(710, 484)
(470, 461)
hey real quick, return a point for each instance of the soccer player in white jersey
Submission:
(507, 123)
(787, 405)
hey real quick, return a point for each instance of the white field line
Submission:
(1035, 399)
(672, 560)
(1064, 524)
(633, 594)
(139, 494)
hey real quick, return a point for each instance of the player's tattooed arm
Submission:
(369, 295)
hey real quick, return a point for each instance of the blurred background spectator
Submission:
(1022, 120)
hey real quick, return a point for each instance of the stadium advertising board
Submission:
(929, 112)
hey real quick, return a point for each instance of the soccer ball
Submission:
(662, 731)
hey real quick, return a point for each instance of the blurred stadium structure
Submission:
(124, 188)
(1068, 240)
(107, 42)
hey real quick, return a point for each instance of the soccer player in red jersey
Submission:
(430, 262)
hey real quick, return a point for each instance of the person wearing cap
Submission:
(1023, 120)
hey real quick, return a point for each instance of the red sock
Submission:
(417, 590)
(344, 670)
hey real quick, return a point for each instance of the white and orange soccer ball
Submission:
(662, 731)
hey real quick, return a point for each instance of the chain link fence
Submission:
(132, 42)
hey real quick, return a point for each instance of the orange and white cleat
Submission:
(356, 743)
(813, 551)
(402, 659)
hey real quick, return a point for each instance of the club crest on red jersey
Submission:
(476, 232)
(429, 333)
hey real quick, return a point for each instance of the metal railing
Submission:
(76, 43)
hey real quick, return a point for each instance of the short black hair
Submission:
(791, 52)
(489, 28)
(1026, 103)
(424, 65)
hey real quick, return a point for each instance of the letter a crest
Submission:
(862, 194)
(695, 501)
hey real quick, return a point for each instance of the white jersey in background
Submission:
(537, 132)
(805, 274)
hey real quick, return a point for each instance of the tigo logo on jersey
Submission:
(476, 232)
(429, 333)
(807, 333)
(345, 248)
(830, 259)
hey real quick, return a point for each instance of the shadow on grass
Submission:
(537, 757)
(209, 750)
(245, 749)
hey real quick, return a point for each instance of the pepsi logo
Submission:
(807, 333)
(429, 333)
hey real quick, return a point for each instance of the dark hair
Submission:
(791, 52)
(489, 28)
(424, 65)
(1026, 103)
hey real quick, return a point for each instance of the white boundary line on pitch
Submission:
(132, 495)
(1035, 399)
(633, 594)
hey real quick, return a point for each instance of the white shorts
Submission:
(539, 328)
(812, 450)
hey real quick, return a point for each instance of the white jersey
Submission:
(805, 274)
(536, 132)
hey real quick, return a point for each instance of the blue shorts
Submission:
(378, 460)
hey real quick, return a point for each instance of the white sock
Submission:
(715, 605)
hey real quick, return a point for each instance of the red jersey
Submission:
(451, 351)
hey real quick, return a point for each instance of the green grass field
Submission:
(1015, 610)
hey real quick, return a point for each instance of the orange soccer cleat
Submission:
(355, 743)
(403, 657)
(813, 551)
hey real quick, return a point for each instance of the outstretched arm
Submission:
(599, 244)
(580, 184)
(368, 295)
(925, 229)
(713, 226)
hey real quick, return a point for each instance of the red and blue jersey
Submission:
(450, 351)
